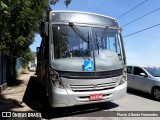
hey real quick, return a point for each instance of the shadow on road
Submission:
(16, 82)
(36, 99)
(6, 104)
(140, 93)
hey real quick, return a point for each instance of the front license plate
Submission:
(96, 97)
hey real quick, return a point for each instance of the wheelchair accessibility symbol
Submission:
(88, 65)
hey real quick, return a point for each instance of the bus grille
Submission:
(91, 75)
(92, 87)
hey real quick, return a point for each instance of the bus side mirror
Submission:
(44, 29)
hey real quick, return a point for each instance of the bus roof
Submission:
(82, 17)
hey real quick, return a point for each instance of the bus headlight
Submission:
(124, 76)
(56, 80)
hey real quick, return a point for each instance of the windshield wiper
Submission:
(79, 33)
(105, 29)
(102, 35)
(82, 54)
(97, 43)
(101, 38)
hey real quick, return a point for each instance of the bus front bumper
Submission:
(63, 98)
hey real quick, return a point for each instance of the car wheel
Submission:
(156, 93)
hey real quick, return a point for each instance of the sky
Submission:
(143, 48)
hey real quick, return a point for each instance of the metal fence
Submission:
(2, 68)
(10, 68)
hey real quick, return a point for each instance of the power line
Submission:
(141, 30)
(132, 9)
(140, 17)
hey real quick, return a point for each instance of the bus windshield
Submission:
(73, 46)
(69, 44)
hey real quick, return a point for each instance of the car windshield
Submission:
(154, 71)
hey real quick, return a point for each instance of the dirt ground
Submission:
(12, 96)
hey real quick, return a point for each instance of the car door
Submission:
(140, 81)
(130, 76)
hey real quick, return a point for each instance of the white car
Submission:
(32, 68)
(144, 79)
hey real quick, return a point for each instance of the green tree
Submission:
(4, 33)
(19, 21)
(66, 2)
(28, 56)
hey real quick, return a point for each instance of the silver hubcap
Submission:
(156, 93)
